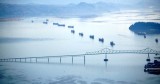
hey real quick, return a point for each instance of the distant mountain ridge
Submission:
(28, 10)
(82, 9)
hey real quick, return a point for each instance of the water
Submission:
(22, 38)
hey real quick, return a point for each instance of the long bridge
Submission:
(105, 51)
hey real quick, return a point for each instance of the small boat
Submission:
(112, 43)
(154, 67)
(61, 25)
(156, 40)
(45, 22)
(144, 36)
(32, 21)
(101, 40)
(72, 31)
(91, 36)
(70, 26)
(55, 23)
(81, 34)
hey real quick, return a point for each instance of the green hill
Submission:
(145, 28)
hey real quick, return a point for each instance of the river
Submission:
(22, 38)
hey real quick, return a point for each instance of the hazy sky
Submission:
(62, 2)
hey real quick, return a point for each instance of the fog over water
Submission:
(22, 38)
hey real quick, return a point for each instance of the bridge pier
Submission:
(84, 60)
(60, 59)
(72, 59)
(25, 59)
(30, 60)
(48, 59)
(148, 58)
(105, 58)
(36, 59)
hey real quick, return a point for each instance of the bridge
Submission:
(110, 51)
(102, 51)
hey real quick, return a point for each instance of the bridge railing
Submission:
(110, 51)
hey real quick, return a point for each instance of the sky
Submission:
(63, 2)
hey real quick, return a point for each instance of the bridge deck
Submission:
(102, 51)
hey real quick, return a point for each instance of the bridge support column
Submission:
(72, 59)
(36, 59)
(48, 59)
(30, 60)
(148, 58)
(60, 59)
(25, 59)
(84, 60)
(105, 58)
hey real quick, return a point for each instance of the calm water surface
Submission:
(25, 39)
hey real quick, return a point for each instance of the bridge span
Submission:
(110, 51)
(102, 51)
